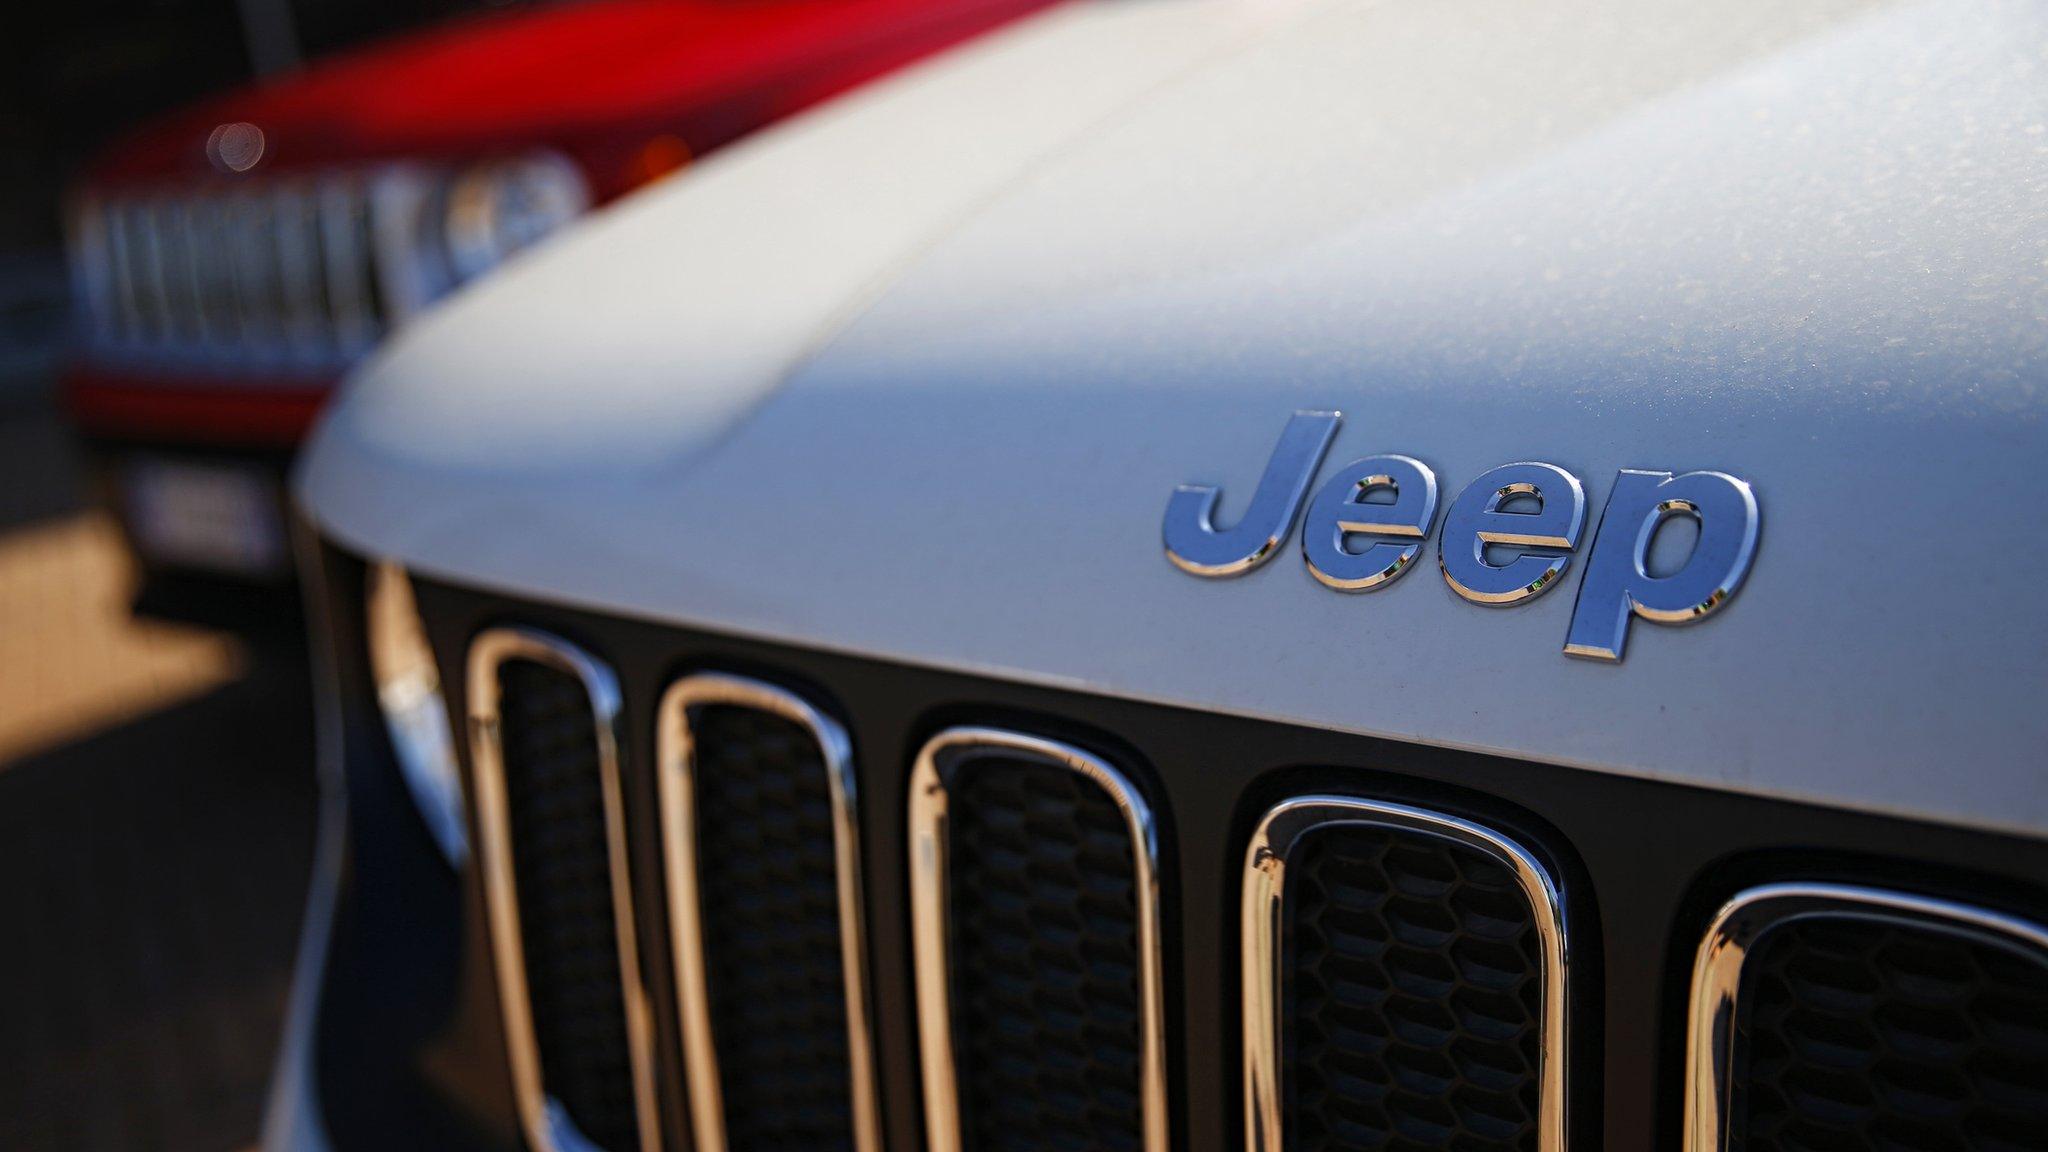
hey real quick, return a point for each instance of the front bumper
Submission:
(207, 529)
(243, 412)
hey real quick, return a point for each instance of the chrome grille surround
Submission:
(545, 1123)
(1263, 922)
(1745, 922)
(279, 276)
(931, 932)
(677, 785)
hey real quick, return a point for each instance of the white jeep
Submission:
(841, 685)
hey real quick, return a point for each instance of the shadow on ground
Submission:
(156, 831)
(154, 878)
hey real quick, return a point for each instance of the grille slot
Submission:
(559, 893)
(1404, 984)
(1828, 1016)
(1036, 919)
(758, 825)
(277, 276)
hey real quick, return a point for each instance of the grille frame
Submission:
(544, 1122)
(1743, 923)
(676, 761)
(280, 279)
(931, 929)
(1263, 919)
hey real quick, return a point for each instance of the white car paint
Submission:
(913, 377)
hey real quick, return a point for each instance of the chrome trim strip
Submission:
(397, 204)
(301, 277)
(181, 266)
(1263, 910)
(414, 708)
(126, 253)
(344, 238)
(212, 274)
(544, 1122)
(677, 780)
(1745, 920)
(148, 240)
(930, 930)
(126, 313)
(249, 256)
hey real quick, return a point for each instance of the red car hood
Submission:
(592, 78)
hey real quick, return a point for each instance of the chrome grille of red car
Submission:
(267, 278)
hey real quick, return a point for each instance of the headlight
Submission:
(498, 208)
(409, 695)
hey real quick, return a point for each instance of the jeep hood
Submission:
(915, 375)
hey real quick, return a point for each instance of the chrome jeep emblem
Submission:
(1532, 509)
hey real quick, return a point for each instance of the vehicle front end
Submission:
(1213, 575)
(231, 261)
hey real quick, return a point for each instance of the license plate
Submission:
(214, 516)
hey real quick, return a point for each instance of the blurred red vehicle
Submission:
(232, 259)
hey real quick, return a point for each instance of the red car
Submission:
(233, 259)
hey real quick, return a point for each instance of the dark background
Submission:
(73, 74)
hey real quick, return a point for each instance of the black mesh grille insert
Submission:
(768, 890)
(555, 801)
(1864, 1034)
(1412, 992)
(1045, 967)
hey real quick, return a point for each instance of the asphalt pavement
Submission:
(156, 826)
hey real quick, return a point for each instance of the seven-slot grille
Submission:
(559, 893)
(1404, 970)
(1830, 1017)
(758, 826)
(271, 276)
(1404, 984)
(1036, 920)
